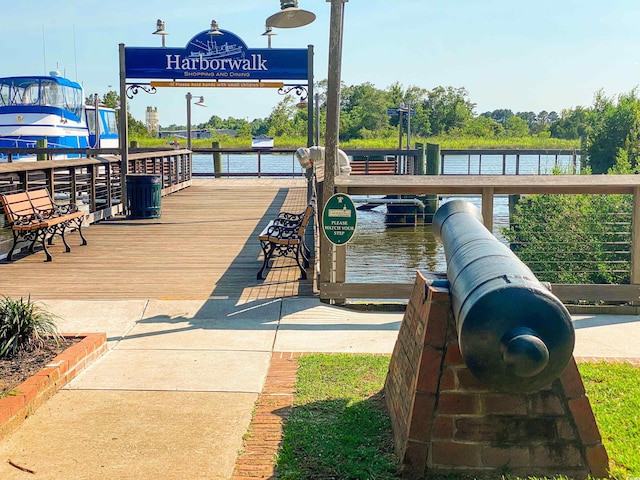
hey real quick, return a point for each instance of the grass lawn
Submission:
(339, 428)
(453, 142)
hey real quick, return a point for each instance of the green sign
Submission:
(339, 219)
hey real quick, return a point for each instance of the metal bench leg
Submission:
(304, 251)
(13, 247)
(307, 251)
(267, 251)
(44, 245)
(79, 224)
(303, 272)
(64, 240)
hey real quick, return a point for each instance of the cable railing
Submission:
(588, 253)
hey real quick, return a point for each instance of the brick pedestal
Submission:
(446, 421)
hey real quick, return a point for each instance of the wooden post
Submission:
(124, 129)
(433, 159)
(92, 187)
(333, 128)
(217, 161)
(487, 207)
(41, 143)
(635, 238)
(432, 168)
(259, 164)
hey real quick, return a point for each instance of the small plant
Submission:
(24, 325)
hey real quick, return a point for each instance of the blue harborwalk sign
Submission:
(339, 219)
(216, 57)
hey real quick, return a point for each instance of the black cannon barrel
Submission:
(514, 334)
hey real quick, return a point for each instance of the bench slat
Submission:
(373, 167)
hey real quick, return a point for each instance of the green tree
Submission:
(448, 108)
(215, 122)
(516, 127)
(529, 117)
(280, 120)
(364, 108)
(483, 126)
(501, 116)
(614, 125)
(572, 124)
(575, 238)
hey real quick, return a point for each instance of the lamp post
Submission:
(214, 30)
(268, 32)
(200, 103)
(333, 126)
(161, 31)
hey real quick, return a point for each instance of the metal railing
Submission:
(508, 162)
(239, 162)
(95, 182)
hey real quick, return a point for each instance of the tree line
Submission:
(607, 129)
(363, 115)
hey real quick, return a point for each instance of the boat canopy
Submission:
(52, 91)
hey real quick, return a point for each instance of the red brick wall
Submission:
(447, 421)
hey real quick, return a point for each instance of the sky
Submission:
(524, 56)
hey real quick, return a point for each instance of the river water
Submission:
(393, 254)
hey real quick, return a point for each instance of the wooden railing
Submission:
(487, 187)
(96, 182)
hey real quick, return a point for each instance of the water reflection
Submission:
(379, 253)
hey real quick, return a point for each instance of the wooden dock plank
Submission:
(205, 244)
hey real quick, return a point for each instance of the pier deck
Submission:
(204, 246)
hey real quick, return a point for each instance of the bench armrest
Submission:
(287, 222)
(23, 220)
(56, 210)
(66, 208)
(282, 231)
(289, 217)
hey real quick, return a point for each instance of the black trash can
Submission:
(144, 195)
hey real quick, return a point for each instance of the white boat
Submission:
(52, 109)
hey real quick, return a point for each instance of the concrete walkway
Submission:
(173, 396)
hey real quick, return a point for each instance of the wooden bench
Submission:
(33, 217)
(284, 237)
(373, 167)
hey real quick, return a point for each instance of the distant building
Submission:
(195, 134)
(152, 119)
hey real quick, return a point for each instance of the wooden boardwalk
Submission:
(204, 246)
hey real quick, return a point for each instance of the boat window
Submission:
(5, 94)
(91, 121)
(31, 95)
(110, 120)
(72, 98)
(40, 91)
(51, 94)
(10, 93)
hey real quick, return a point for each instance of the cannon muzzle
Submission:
(514, 334)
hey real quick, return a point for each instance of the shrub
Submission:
(24, 325)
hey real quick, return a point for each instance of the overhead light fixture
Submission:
(302, 104)
(290, 16)
(200, 102)
(215, 29)
(160, 30)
